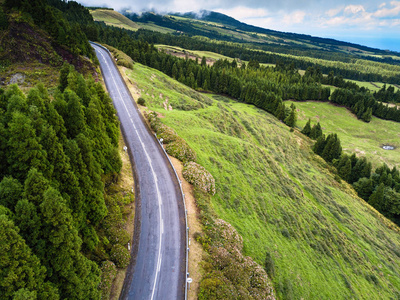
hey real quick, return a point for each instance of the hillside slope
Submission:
(319, 239)
(113, 18)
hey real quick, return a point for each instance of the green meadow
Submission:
(113, 18)
(324, 241)
(365, 139)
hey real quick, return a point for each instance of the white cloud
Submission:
(389, 12)
(354, 9)
(242, 12)
(295, 17)
(334, 11)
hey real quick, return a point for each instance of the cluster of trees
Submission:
(55, 155)
(387, 95)
(364, 105)
(380, 188)
(60, 19)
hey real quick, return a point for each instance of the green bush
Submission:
(108, 273)
(141, 101)
(269, 265)
(181, 150)
(120, 256)
(199, 177)
(118, 235)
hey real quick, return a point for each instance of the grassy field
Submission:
(325, 242)
(365, 139)
(113, 18)
(373, 86)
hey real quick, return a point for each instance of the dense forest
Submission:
(62, 233)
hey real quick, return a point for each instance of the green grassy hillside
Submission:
(365, 139)
(113, 18)
(324, 242)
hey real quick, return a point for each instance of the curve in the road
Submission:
(158, 268)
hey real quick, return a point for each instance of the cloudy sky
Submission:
(374, 23)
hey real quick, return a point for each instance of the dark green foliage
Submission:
(307, 128)
(55, 155)
(316, 131)
(66, 22)
(364, 187)
(291, 119)
(269, 265)
(332, 149)
(10, 192)
(364, 105)
(141, 101)
(108, 273)
(120, 256)
(21, 273)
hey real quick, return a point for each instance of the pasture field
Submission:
(365, 139)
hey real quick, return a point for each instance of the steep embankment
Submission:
(30, 55)
(318, 240)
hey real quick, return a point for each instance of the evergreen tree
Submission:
(319, 145)
(307, 128)
(364, 188)
(19, 268)
(75, 276)
(316, 131)
(10, 192)
(345, 170)
(25, 150)
(377, 198)
(291, 119)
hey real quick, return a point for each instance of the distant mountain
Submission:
(217, 26)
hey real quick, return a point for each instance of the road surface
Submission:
(158, 267)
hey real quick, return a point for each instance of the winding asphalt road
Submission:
(157, 270)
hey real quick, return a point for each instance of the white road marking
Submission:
(159, 259)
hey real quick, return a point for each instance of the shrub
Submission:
(117, 235)
(199, 177)
(141, 101)
(269, 265)
(181, 150)
(108, 272)
(120, 256)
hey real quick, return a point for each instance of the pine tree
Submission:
(19, 268)
(307, 128)
(319, 145)
(25, 150)
(10, 192)
(378, 197)
(345, 171)
(291, 119)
